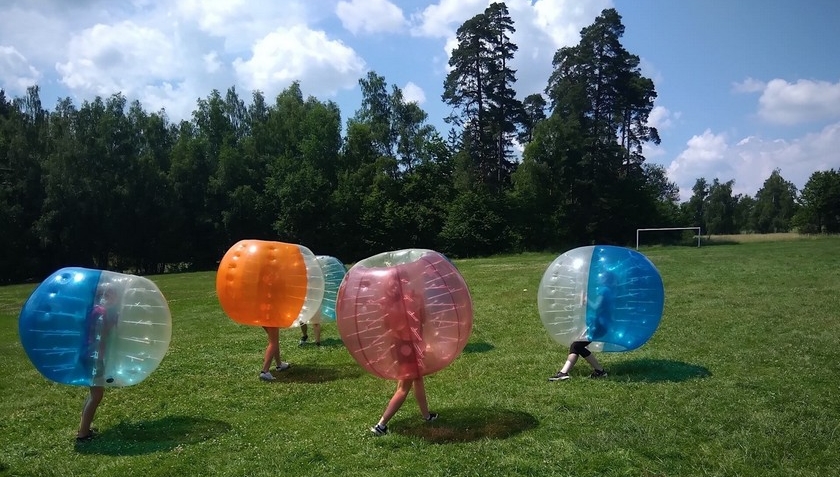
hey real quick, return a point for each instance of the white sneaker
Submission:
(266, 376)
(283, 366)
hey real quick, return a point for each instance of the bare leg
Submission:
(272, 350)
(317, 328)
(594, 363)
(403, 387)
(303, 330)
(570, 363)
(89, 410)
(420, 396)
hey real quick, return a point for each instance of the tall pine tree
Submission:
(480, 89)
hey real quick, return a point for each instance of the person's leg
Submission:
(598, 371)
(89, 410)
(422, 403)
(397, 400)
(317, 328)
(570, 363)
(303, 334)
(594, 362)
(576, 349)
(272, 350)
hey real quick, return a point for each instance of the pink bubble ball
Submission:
(404, 314)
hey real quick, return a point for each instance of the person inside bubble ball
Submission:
(599, 313)
(304, 336)
(101, 321)
(272, 349)
(404, 321)
(272, 353)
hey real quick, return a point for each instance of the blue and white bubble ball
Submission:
(86, 327)
(578, 279)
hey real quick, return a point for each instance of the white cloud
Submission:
(322, 66)
(211, 62)
(792, 103)
(370, 16)
(541, 30)
(178, 99)
(15, 71)
(124, 57)
(215, 17)
(542, 27)
(660, 118)
(749, 85)
(40, 37)
(239, 23)
(442, 19)
(563, 20)
(752, 159)
(652, 151)
(787, 103)
(412, 92)
(702, 158)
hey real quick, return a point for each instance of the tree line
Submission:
(109, 185)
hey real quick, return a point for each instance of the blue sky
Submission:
(744, 86)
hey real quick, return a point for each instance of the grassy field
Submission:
(741, 378)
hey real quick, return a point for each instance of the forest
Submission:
(107, 184)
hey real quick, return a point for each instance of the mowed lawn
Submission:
(741, 378)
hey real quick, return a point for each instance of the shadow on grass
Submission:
(656, 370)
(467, 425)
(325, 343)
(313, 373)
(145, 437)
(480, 347)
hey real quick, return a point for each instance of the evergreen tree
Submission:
(480, 89)
(775, 204)
(533, 109)
(820, 203)
(23, 144)
(695, 209)
(719, 210)
(592, 141)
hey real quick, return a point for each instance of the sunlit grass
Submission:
(749, 238)
(739, 379)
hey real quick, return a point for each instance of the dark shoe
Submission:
(378, 430)
(560, 376)
(89, 437)
(432, 417)
(599, 373)
(303, 340)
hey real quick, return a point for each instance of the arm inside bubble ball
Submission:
(599, 313)
(102, 321)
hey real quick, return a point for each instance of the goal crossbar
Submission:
(667, 228)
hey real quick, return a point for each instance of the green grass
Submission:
(741, 378)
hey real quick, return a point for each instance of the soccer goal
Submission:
(662, 229)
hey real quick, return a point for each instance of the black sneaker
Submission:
(303, 340)
(560, 376)
(87, 438)
(378, 430)
(599, 373)
(432, 417)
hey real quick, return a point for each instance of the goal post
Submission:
(697, 229)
